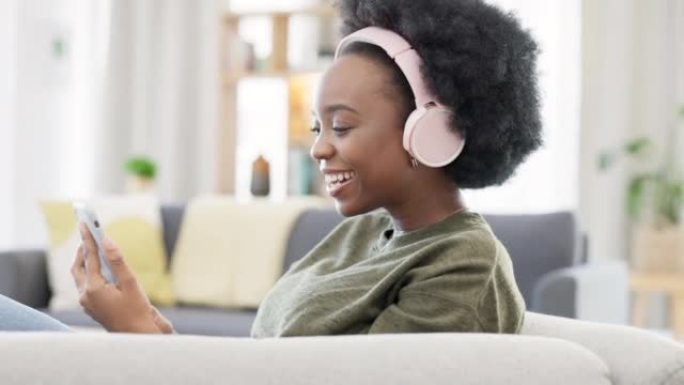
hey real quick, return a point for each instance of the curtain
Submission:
(87, 83)
(160, 95)
(7, 119)
(633, 80)
(50, 63)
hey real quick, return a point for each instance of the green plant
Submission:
(661, 188)
(141, 166)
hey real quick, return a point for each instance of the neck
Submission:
(421, 210)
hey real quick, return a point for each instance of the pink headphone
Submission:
(427, 136)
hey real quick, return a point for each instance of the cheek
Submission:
(378, 158)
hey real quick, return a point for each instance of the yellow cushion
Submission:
(230, 254)
(132, 222)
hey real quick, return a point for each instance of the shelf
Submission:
(289, 167)
(321, 11)
(232, 80)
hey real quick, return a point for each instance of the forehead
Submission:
(353, 80)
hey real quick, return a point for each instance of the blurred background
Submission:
(198, 97)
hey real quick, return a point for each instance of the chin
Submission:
(350, 210)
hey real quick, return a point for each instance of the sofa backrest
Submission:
(537, 243)
(309, 229)
(172, 218)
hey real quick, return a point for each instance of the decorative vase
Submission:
(261, 185)
(658, 249)
(137, 184)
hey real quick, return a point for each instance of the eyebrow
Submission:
(336, 107)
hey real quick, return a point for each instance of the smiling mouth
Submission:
(333, 182)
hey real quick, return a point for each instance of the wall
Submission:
(7, 119)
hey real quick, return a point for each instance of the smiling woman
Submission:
(423, 99)
(412, 258)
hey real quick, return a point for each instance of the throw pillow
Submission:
(230, 254)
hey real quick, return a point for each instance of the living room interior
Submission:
(186, 126)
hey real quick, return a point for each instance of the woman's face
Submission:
(359, 125)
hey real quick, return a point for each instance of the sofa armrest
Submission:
(23, 277)
(435, 359)
(634, 356)
(592, 292)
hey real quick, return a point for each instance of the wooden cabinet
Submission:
(242, 61)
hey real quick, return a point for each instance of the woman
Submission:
(411, 257)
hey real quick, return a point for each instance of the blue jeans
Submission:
(20, 318)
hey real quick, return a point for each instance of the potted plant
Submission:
(141, 172)
(655, 200)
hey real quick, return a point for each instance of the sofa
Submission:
(550, 265)
(548, 251)
(550, 350)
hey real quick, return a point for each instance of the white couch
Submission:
(551, 350)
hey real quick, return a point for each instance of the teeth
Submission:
(339, 178)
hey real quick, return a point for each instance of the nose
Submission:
(321, 148)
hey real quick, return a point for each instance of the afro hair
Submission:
(479, 62)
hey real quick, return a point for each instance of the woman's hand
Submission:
(120, 307)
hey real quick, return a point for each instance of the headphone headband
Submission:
(427, 134)
(401, 52)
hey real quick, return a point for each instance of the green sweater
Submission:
(452, 276)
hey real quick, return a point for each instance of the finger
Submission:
(85, 305)
(161, 322)
(117, 263)
(164, 327)
(78, 267)
(88, 240)
(92, 268)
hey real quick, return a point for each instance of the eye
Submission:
(315, 129)
(340, 129)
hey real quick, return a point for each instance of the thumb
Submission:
(117, 263)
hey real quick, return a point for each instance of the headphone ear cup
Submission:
(429, 139)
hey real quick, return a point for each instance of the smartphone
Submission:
(86, 215)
